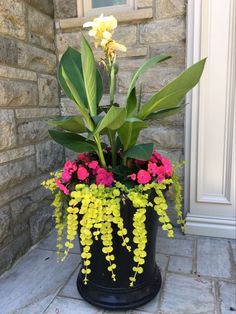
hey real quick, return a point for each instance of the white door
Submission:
(210, 122)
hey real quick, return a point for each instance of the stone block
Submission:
(166, 30)
(182, 294)
(6, 259)
(17, 94)
(8, 51)
(227, 297)
(37, 24)
(36, 113)
(8, 129)
(49, 156)
(176, 50)
(20, 227)
(68, 108)
(16, 153)
(32, 131)
(12, 19)
(126, 35)
(170, 8)
(14, 73)
(64, 40)
(45, 6)
(15, 172)
(164, 137)
(40, 223)
(36, 59)
(20, 245)
(65, 9)
(213, 258)
(48, 91)
(5, 223)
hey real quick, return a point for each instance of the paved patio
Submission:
(199, 276)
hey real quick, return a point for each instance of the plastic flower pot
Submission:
(102, 291)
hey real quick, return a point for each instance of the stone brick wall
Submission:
(28, 97)
(157, 26)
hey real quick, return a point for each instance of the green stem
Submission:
(112, 84)
(100, 151)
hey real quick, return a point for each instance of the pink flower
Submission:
(104, 177)
(83, 157)
(152, 168)
(168, 168)
(82, 173)
(132, 176)
(61, 186)
(93, 164)
(66, 176)
(70, 166)
(155, 157)
(161, 173)
(143, 177)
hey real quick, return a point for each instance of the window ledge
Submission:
(132, 16)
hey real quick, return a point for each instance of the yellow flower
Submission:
(102, 28)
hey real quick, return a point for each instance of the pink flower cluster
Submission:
(157, 168)
(86, 170)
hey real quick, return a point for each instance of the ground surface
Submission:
(199, 276)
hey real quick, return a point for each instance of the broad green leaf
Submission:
(71, 65)
(73, 124)
(112, 120)
(140, 151)
(131, 102)
(121, 170)
(165, 112)
(144, 67)
(99, 85)
(73, 141)
(89, 73)
(174, 92)
(129, 131)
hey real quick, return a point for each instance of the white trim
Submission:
(210, 226)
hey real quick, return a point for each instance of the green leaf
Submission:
(71, 65)
(89, 73)
(165, 112)
(112, 120)
(73, 124)
(131, 102)
(140, 152)
(73, 141)
(144, 67)
(130, 130)
(173, 93)
(99, 84)
(121, 170)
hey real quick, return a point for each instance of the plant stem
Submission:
(112, 84)
(100, 151)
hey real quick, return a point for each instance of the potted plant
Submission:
(113, 194)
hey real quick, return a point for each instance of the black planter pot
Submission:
(102, 291)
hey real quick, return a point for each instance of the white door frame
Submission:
(210, 198)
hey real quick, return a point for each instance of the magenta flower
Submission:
(143, 177)
(70, 166)
(132, 176)
(104, 177)
(168, 168)
(66, 176)
(161, 173)
(61, 186)
(93, 164)
(152, 168)
(82, 173)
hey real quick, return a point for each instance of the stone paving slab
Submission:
(70, 289)
(227, 297)
(30, 286)
(213, 258)
(180, 264)
(62, 305)
(187, 295)
(173, 246)
(50, 241)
